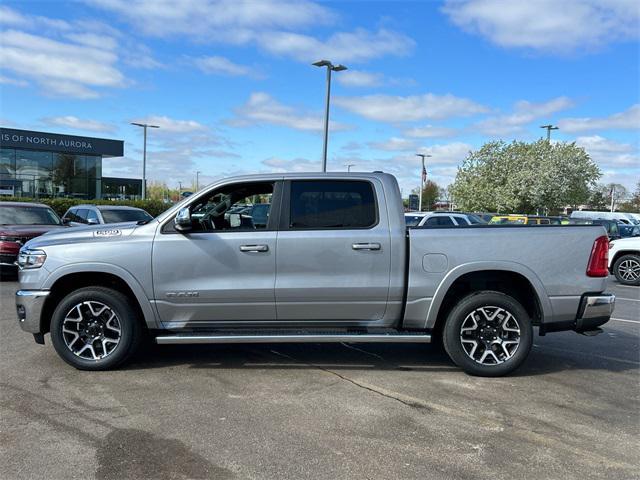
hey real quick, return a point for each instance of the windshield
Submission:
(28, 216)
(124, 215)
(474, 220)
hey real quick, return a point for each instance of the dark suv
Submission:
(20, 222)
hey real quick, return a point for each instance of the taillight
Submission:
(598, 265)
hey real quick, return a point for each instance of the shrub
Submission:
(61, 205)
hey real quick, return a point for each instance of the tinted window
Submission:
(332, 204)
(462, 221)
(412, 220)
(474, 220)
(124, 215)
(28, 216)
(81, 215)
(92, 215)
(439, 220)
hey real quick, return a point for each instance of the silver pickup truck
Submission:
(310, 258)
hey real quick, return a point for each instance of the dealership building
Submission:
(42, 164)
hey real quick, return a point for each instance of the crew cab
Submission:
(332, 262)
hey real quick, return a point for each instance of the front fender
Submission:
(457, 272)
(74, 268)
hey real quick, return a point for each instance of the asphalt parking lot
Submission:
(324, 411)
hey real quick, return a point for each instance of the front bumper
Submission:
(594, 311)
(29, 304)
(8, 261)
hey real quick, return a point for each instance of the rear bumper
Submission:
(595, 310)
(29, 304)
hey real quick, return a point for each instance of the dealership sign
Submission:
(54, 142)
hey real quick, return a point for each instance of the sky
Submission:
(231, 85)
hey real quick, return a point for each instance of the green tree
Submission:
(525, 177)
(430, 194)
(633, 204)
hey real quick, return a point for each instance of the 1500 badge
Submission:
(107, 232)
(182, 294)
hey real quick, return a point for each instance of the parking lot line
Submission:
(625, 320)
(628, 299)
(626, 286)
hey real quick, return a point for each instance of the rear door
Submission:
(333, 252)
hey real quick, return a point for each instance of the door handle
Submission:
(366, 246)
(254, 248)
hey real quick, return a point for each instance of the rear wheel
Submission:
(488, 334)
(627, 269)
(95, 328)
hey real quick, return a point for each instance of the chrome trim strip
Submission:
(333, 338)
(32, 293)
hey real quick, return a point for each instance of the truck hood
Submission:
(92, 233)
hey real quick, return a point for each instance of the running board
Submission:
(301, 338)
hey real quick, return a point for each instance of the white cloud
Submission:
(171, 125)
(61, 68)
(389, 108)
(281, 165)
(524, 113)
(446, 153)
(69, 121)
(358, 46)
(627, 120)
(13, 81)
(358, 78)
(394, 144)
(234, 21)
(263, 109)
(221, 66)
(429, 131)
(611, 154)
(548, 25)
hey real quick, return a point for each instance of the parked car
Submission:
(628, 230)
(611, 226)
(450, 219)
(19, 223)
(514, 219)
(412, 219)
(103, 214)
(335, 263)
(595, 215)
(485, 216)
(624, 260)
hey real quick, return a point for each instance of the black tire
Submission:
(453, 337)
(629, 260)
(128, 321)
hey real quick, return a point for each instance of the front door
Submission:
(222, 273)
(333, 260)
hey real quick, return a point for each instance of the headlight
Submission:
(31, 259)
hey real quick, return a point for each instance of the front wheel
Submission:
(627, 269)
(488, 334)
(95, 328)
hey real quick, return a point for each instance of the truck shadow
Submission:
(544, 359)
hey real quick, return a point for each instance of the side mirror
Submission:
(66, 221)
(183, 220)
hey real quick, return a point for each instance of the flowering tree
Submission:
(525, 177)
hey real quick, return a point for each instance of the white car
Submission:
(624, 260)
(450, 219)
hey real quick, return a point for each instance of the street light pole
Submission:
(549, 128)
(330, 68)
(198, 172)
(144, 156)
(422, 177)
(349, 165)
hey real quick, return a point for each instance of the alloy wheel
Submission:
(629, 270)
(490, 335)
(91, 330)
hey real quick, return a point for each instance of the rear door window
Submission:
(328, 204)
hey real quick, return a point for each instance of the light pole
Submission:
(349, 165)
(198, 180)
(423, 177)
(144, 156)
(330, 68)
(549, 128)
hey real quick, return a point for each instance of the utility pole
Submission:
(423, 177)
(198, 180)
(613, 194)
(179, 186)
(144, 156)
(349, 165)
(549, 128)
(330, 68)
